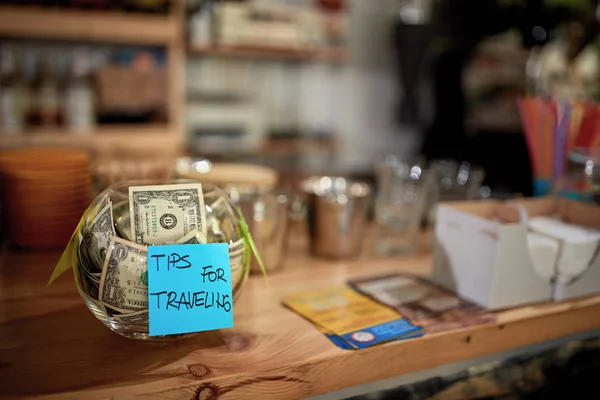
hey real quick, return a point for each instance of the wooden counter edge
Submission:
(357, 367)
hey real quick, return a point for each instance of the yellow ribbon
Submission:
(69, 255)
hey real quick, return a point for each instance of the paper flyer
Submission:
(348, 317)
(423, 303)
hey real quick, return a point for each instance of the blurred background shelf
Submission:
(276, 53)
(300, 145)
(138, 139)
(102, 66)
(139, 66)
(82, 25)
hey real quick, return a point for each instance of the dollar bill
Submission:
(222, 202)
(236, 263)
(97, 238)
(83, 259)
(164, 214)
(93, 277)
(137, 318)
(90, 280)
(124, 280)
(105, 200)
(111, 312)
(122, 219)
(194, 237)
(216, 237)
(237, 246)
(89, 287)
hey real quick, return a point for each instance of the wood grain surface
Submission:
(51, 347)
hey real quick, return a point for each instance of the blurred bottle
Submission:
(80, 110)
(45, 108)
(202, 24)
(551, 72)
(13, 93)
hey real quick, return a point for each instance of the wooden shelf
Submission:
(81, 25)
(103, 140)
(328, 55)
(299, 146)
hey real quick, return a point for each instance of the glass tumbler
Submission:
(580, 181)
(452, 181)
(399, 208)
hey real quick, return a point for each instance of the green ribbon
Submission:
(250, 243)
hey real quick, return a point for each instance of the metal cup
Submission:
(266, 213)
(337, 212)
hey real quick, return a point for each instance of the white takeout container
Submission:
(494, 254)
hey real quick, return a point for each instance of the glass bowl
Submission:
(111, 258)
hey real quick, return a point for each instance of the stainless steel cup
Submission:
(337, 212)
(266, 213)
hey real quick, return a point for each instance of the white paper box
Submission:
(486, 252)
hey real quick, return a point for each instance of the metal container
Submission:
(266, 213)
(253, 189)
(337, 214)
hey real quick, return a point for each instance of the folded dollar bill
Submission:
(166, 213)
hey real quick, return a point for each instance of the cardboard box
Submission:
(489, 253)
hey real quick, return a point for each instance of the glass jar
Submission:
(581, 178)
(108, 260)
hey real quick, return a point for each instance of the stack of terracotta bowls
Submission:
(45, 192)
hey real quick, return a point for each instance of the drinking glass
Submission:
(452, 181)
(399, 206)
(581, 179)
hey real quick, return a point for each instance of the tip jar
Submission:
(110, 262)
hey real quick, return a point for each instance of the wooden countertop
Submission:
(51, 346)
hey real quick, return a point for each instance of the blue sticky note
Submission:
(189, 288)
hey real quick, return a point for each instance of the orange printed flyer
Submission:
(350, 318)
